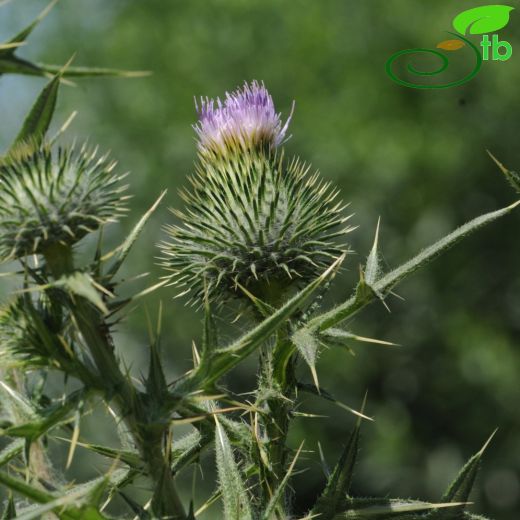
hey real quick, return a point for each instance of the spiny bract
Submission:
(49, 197)
(252, 219)
(20, 341)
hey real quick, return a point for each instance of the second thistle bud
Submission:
(50, 197)
(252, 218)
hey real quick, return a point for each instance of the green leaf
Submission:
(19, 486)
(232, 487)
(372, 268)
(482, 20)
(15, 65)
(372, 271)
(279, 491)
(11, 451)
(187, 448)
(308, 346)
(308, 343)
(47, 418)
(512, 177)
(461, 487)
(191, 512)
(12, 64)
(156, 386)
(263, 308)
(24, 33)
(18, 408)
(82, 72)
(339, 482)
(384, 284)
(75, 504)
(82, 284)
(10, 509)
(39, 118)
(122, 251)
(137, 509)
(222, 360)
(131, 458)
(56, 505)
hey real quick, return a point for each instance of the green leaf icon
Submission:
(481, 20)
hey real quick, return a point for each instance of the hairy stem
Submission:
(385, 284)
(276, 393)
(118, 388)
(280, 405)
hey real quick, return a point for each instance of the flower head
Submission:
(256, 223)
(55, 196)
(245, 119)
(253, 220)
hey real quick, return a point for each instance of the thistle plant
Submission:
(258, 227)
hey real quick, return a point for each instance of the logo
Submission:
(483, 21)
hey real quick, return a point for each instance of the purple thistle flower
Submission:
(245, 119)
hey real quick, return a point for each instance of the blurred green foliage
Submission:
(415, 158)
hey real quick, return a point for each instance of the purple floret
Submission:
(246, 118)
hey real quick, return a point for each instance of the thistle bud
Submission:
(252, 218)
(52, 197)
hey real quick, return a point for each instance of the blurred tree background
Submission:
(416, 158)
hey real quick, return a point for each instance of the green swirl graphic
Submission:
(443, 66)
